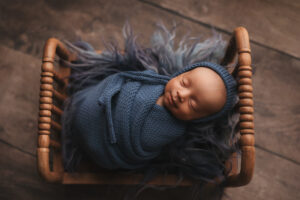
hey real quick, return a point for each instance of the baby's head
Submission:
(199, 91)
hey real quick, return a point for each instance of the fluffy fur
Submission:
(201, 153)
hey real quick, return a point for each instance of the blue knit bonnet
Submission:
(229, 82)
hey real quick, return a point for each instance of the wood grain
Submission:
(271, 23)
(274, 179)
(19, 99)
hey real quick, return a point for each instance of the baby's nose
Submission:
(182, 95)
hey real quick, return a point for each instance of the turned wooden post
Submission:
(47, 108)
(246, 122)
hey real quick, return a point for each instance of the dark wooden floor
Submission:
(274, 28)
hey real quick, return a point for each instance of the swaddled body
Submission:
(119, 124)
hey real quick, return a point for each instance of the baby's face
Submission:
(195, 94)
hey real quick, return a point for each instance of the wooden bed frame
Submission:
(52, 94)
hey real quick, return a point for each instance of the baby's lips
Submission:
(172, 101)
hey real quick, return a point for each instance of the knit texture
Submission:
(118, 123)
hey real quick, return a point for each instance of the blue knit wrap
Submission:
(118, 123)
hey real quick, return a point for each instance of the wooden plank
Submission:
(272, 23)
(19, 177)
(19, 99)
(84, 20)
(274, 178)
(276, 85)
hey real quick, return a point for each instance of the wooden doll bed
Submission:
(52, 94)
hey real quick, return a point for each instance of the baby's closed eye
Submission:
(194, 105)
(185, 82)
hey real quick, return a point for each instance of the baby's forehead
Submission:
(207, 85)
(204, 75)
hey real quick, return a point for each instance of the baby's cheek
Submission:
(174, 112)
(181, 114)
